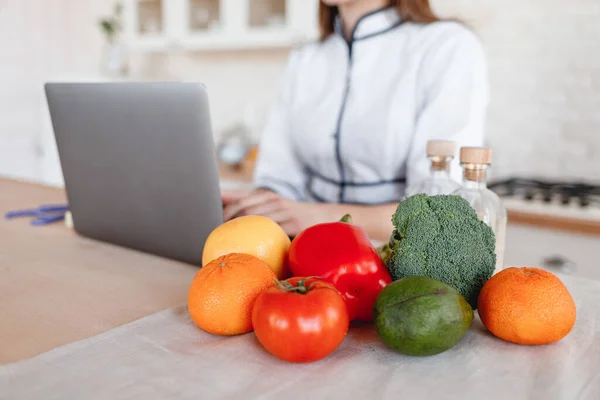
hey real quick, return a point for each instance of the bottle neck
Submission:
(440, 167)
(475, 176)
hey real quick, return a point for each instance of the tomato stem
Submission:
(299, 288)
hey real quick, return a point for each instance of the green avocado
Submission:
(420, 316)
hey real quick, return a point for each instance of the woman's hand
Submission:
(293, 216)
(230, 197)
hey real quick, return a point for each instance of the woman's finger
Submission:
(281, 217)
(290, 227)
(252, 200)
(232, 196)
(264, 209)
(230, 211)
(276, 214)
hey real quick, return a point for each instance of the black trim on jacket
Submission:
(337, 136)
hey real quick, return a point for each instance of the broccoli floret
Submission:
(442, 238)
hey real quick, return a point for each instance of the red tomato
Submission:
(300, 319)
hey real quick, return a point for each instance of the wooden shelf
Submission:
(211, 25)
(587, 227)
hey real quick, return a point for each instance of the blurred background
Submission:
(544, 64)
(544, 118)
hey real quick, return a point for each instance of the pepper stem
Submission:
(347, 219)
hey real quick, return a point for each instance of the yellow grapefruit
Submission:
(255, 235)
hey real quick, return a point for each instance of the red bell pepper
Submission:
(342, 254)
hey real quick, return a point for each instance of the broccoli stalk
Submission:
(441, 237)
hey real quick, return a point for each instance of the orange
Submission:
(223, 293)
(527, 306)
(255, 235)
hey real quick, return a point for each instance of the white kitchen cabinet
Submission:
(157, 25)
(148, 23)
(529, 246)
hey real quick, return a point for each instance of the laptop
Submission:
(139, 164)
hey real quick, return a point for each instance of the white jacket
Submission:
(353, 118)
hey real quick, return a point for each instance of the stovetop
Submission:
(567, 194)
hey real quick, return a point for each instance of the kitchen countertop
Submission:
(166, 356)
(57, 287)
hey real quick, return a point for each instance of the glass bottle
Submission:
(476, 162)
(440, 153)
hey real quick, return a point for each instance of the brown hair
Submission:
(409, 10)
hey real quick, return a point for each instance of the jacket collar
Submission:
(371, 24)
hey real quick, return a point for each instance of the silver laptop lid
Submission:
(139, 164)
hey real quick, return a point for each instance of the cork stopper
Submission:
(476, 155)
(441, 148)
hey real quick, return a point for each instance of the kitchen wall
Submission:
(39, 39)
(44, 40)
(544, 66)
(241, 85)
(544, 119)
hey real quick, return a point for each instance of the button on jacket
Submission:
(353, 117)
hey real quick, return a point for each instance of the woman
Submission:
(349, 129)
